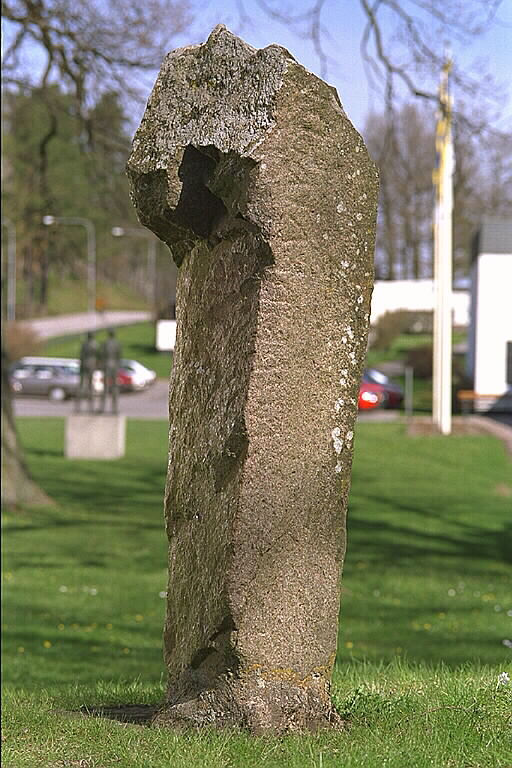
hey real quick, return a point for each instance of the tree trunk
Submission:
(28, 280)
(18, 488)
(43, 280)
(389, 234)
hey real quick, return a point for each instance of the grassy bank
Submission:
(425, 611)
(67, 295)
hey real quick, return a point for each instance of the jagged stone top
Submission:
(219, 93)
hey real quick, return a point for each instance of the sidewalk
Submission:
(71, 325)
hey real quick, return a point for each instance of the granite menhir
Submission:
(247, 166)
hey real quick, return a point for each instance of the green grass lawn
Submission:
(427, 605)
(137, 343)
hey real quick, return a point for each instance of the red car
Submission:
(378, 391)
(368, 398)
(124, 381)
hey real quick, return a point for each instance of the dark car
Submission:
(378, 391)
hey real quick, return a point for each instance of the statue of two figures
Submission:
(104, 357)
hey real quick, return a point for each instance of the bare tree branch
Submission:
(90, 45)
(403, 45)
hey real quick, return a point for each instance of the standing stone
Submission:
(246, 165)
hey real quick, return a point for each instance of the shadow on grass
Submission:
(389, 542)
(46, 452)
(133, 714)
(144, 349)
(132, 497)
(58, 522)
(416, 536)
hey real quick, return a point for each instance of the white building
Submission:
(414, 296)
(489, 361)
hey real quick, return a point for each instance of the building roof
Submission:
(494, 236)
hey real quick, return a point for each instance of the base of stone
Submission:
(276, 708)
(95, 436)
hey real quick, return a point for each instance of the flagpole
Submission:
(443, 179)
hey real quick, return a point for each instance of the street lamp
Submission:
(139, 232)
(48, 221)
(11, 270)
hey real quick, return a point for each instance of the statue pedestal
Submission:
(95, 436)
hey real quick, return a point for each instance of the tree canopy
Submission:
(89, 45)
(406, 157)
(72, 69)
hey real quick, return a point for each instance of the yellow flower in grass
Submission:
(47, 644)
(21, 649)
(139, 617)
(349, 644)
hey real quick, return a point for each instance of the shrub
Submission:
(390, 325)
(21, 340)
(420, 322)
(420, 359)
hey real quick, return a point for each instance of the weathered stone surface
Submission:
(95, 436)
(247, 166)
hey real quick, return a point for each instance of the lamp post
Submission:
(139, 232)
(48, 221)
(11, 270)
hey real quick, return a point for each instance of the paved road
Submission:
(150, 404)
(70, 325)
(502, 418)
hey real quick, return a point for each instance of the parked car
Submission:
(54, 377)
(368, 398)
(59, 377)
(378, 391)
(124, 381)
(133, 376)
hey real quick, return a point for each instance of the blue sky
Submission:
(344, 20)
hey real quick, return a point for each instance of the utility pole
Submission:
(443, 182)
